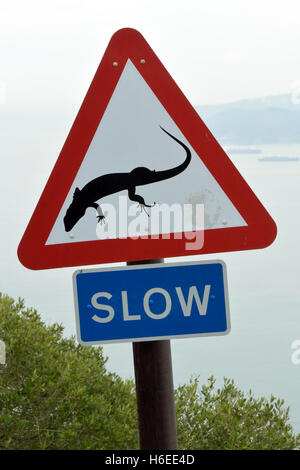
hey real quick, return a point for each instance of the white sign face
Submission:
(129, 136)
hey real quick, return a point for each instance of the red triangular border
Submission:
(129, 43)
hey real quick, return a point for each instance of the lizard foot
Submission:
(101, 219)
(143, 207)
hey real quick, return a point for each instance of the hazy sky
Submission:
(215, 50)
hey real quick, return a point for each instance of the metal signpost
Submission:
(155, 391)
(145, 302)
(136, 153)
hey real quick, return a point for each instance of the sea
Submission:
(264, 295)
(264, 285)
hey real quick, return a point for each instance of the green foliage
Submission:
(55, 394)
(226, 418)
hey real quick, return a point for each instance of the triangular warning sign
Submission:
(140, 176)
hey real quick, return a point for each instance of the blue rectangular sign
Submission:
(151, 302)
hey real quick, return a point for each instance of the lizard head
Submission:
(75, 211)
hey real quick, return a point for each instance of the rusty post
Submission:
(155, 391)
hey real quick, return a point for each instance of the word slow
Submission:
(148, 302)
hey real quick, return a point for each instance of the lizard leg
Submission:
(142, 206)
(136, 198)
(100, 215)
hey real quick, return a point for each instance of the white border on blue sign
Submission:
(147, 266)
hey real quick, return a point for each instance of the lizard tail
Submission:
(165, 174)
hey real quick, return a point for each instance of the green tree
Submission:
(55, 394)
(227, 418)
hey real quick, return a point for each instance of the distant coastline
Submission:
(266, 120)
(279, 159)
(235, 151)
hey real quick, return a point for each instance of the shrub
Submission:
(227, 418)
(55, 394)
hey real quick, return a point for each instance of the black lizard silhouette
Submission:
(114, 182)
